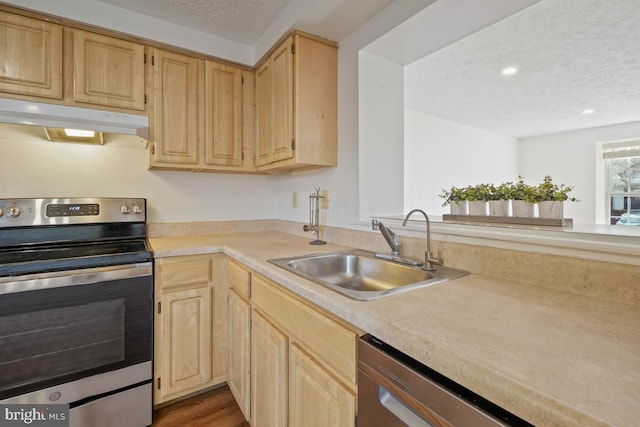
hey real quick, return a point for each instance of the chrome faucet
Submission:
(429, 259)
(394, 243)
(392, 239)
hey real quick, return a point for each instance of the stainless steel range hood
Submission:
(61, 116)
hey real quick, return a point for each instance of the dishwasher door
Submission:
(396, 391)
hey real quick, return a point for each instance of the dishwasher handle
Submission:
(400, 410)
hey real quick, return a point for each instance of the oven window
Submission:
(56, 335)
(44, 344)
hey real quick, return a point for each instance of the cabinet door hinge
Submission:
(158, 382)
(293, 49)
(153, 151)
(159, 307)
(153, 60)
(145, 58)
(293, 144)
(145, 98)
(242, 156)
(241, 80)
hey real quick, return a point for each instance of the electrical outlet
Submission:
(294, 200)
(324, 201)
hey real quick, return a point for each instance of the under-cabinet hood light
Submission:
(62, 116)
(509, 71)
(80, 133)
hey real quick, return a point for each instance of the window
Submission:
(622, 163)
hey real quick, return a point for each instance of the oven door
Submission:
(60, 327)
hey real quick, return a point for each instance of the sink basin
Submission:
(358, 274)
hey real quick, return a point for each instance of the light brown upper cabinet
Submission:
(176, 111)
(229, 110)
(296, 105)
(202, 115)
(107, 71)
(30, 56)
(223, 88)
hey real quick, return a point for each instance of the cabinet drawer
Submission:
(330, 341)
(239, 278)
(183, 271)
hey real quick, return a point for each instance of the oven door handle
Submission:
(85, 276)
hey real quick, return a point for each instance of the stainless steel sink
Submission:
(358, 274)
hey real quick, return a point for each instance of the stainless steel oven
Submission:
(76, 299)
(395, 390)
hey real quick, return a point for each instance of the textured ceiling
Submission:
(242, 21)
(245, 21)
(571, 55)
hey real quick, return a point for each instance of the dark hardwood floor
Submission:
(215, 408)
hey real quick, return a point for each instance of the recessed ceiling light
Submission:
(509, 71)
(588, 111)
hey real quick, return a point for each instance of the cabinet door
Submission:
(223, 112)
(269, 364)
(239, 351)
(176, 122)
(185, 342)
(316, 398)
(264, 114)
(30, 56)
(282, 75)
(107, 71)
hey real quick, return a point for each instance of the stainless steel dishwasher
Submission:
(395, 390)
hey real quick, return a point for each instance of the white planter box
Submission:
(477, 208)
(499, 207)
(522, 209)
(551, 209)
(458, 208)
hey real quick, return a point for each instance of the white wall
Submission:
(30, 166)
(570, 158)
(381, 134)
(440, 153)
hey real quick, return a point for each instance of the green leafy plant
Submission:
(526, 192)
(453, 195)
(547, 190)
(477, 193)
(505, 191)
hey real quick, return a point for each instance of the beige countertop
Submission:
(553, 358)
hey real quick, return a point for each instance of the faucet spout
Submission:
(392, 239)
(429, 259)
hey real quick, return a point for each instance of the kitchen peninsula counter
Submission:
(551, 357)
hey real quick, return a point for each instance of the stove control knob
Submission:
(125, 210)
(137, 209)
(13, 212)
(1, 212)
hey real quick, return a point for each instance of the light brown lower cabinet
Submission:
(286, 361)
(317, 398)
(269, 364)
(186, 341)
(190, 346)
(240, 351)
(303, 361)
